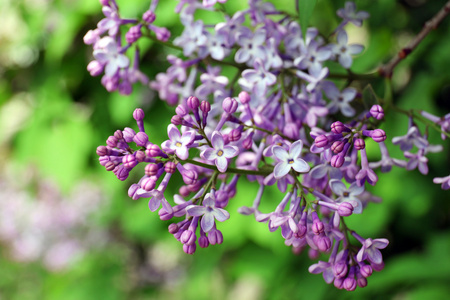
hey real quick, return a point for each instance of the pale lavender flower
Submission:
(386, 161)
(232, 27)
(312, 56)
(343, 52)
(251, 46)
(288, 160)
(108, 53)
(219, 153)
(259, 9)
(192, 38)
(208, 211)
(349, 14)
(444, 122)
(445, 181)
(369, 250)
(178, 143)
(212, 83)
(412, 138)
(315, 77)
(348, 194)
(340, 100)
(258, 79)
(112, 21)
(326, 268)
(216, 46)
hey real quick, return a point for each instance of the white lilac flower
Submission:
(208, 211)
(178, 143)
(288, 160)
(348, 194)
(343, 51)
(108, 53)
(219, 153)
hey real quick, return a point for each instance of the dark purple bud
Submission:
(110, 166)
(235, 135)
(345, 209)
(377, 267)
(365, 270)
(121, 172)
(188, 237)
(203, 241)
(291, 131)
(170, 167)
(244, 97)
(378, 135)
(173, 228)
(340, 269)
(229, 105)
(140, 156)
(176, 120)
(112, 141)
(338, 146)
(132, 191)
(151, 169)
(337, 127)
(153, 150)
(149, 16)
(128, 134)
(359, 144)
(141, 139)
(102, 151)
(215, 237)
(337, 161)
(181, 110)
(349, 284)
(339, 283)
(193, 103)
(133, 34)
(190, 176)
(138, 114)
(189, 249)
(321, 141)
(118, 134)
(129, 161)
(362, 281)
(247, 142)
(205, 106)
(164, 215)
(377, 112)
(148, 183)
(95, 68)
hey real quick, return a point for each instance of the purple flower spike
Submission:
(289, 160)
(178, 143)
(219, 153)
(209, 212)
(369, 250)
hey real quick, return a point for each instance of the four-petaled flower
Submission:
(288, 160)
(348, 194)
(208, 211)
(219, 153)
(178, 143)
(369, 250)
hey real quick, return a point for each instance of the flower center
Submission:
(178, 144)
(219, 153)
(345, 194)
(290, 161)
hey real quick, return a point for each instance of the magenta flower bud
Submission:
(149, 16)
(337, 161)
(362, 282)
(235, 135)
(181, 110)
(153, 150)
(103, 160)
(338, 146)
(189, 176)
(322, 242)
(118, 134)
(112, 141)
(170, 167)
(318, 227)
(193, 103)
(337, 127)
(188, 237)
(244, 97)
(378, 135)
(109, 166)
(151, 169)
(164, 215)
(102, 151)
(321, 141)
(162, 34)
(345, 209)
(104, 2)
(340, 269)
(339, 282)
(132, 191)
(184, 191)
(189, 249)
(302, 229)
(173, 228)
(229, 105)
(291, 131)
(95, 68)
(203, 241)
(141, 139)
(365, 270)
(121, 172)
(176, 120)
(359, 144)
(205, 106)
(140, 156)
(377, 112)
(138, 114)
(215, 237)
(247, 143)
(128, 134)
(148, 183)
(133, 34)
(349, 284)
(129, 161)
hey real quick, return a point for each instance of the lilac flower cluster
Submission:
(290, 125)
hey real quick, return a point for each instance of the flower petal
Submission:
(221, 214)
(296, 149)
(217, 140)
(280, 153)
(281, 169)
(301, 166)
(207, 222)
(222, 164)
(195, 210)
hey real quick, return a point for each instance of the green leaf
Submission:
(305, 10)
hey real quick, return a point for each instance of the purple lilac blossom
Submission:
(289, 160)
(178, 143)
(219, 153)
(208, 211)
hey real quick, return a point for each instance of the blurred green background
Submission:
(53, 115)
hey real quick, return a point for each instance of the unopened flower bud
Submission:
(128, 134)
(149, 16)
(378, 135)
(129, 161)
(337, 146)
(235, 135)
(133, 34)
(189, 176)
(377, 112)
(349, 284)
(205, 106)
(181, 110)
(345, 209)
(337, 161)
(173, 228)
(170, 167)
(151, 169)
(132, 191)
(141, 139)
(321, 141)
(193, 103)
(229, 105)
(188, 237)
(138, 114)
(244, 97)
(164, 215)
(95, 68)
(189, 249)
(338, 127)
(112, 141)
(102, 151)
(359, 144)
(148, 184)
(153, 150)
